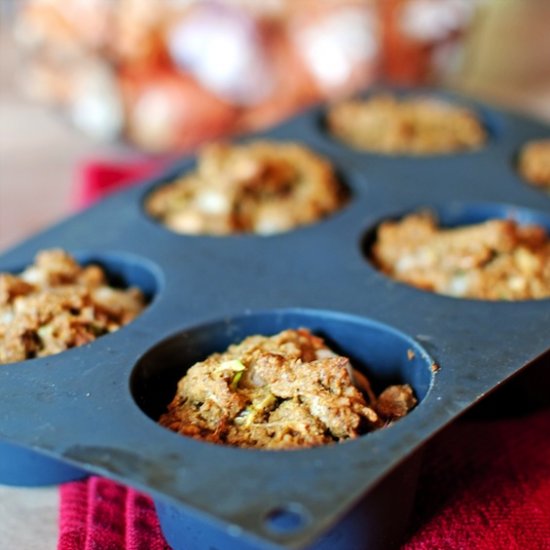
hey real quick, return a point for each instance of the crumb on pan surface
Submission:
(494, 260)
(56, 304)
(262, 187)
(416, 125)
(534, 162)
(280, 392)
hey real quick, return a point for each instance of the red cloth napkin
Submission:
(98, 514)
(485, 485)
(485, 481)
(95, 180)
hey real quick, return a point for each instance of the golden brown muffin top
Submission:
(414, 125)
(280, 392)
(56, 304)
(495, 260)
(262, 187)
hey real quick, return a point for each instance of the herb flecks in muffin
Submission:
(262, 187)
(56, 304)
(280, 392)
(495, 260)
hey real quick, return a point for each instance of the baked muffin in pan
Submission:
(284, 391)
(262, 187)
(498, 259)
(416, 125)
(534, 163)
(56, 304)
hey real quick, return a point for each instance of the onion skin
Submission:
(171, 112)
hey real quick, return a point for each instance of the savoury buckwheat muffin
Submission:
(261, 187)
(534, 163)
(495, 260)
(280, 392)
(415, 125)
(56, 304)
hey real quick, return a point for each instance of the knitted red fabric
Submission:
(95, 180)
(98, 514)
(485, 482)
(484, 485)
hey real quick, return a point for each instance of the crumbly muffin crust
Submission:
(56, 304)
(534, 163)
(415, 125)
(262, 187)
(280, 392)
(495, 260)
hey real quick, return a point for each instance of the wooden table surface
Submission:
(38, 155)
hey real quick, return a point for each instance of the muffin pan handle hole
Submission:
(287, 519)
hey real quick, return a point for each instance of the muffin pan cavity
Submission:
(381, 353)
(22, 466)
(125, 270)
(205, 293)
(419, 258)
(456, 214)
(61, 301)
(263, 187)
(490, 122)
(122, 269)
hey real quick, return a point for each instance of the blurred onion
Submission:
(340, 44)
(422, 38)
(137, 39)
(295, 87)
(435, 20)
(223, 48)
(96, 105)
(67, 27)
(169, 112)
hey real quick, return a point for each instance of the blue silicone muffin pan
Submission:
(93, 409)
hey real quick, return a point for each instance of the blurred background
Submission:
(117, 79)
